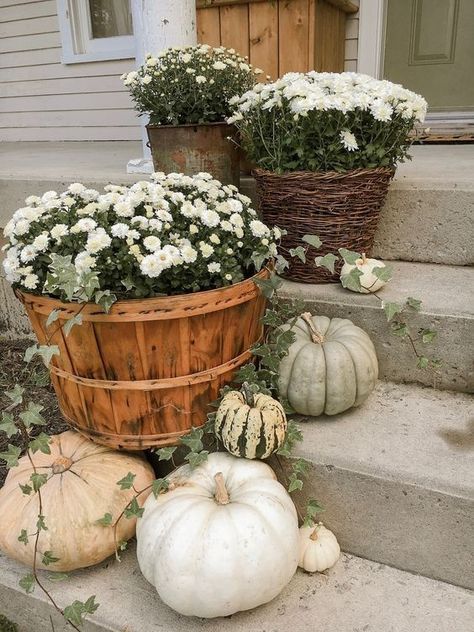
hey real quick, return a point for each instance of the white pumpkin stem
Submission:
(222, 495)
(314, 535)
(364, 259)
(316, 337)
(61, 464)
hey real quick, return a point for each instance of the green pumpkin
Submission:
(250, 425)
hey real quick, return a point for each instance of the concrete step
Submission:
(429, 211)
(356, 595)
(447, 293)
(396, 478)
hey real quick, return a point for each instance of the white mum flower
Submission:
(84, 225)
(201, 79)
(123, 209)
(228, 277)
(28, 253)
(189, 254)
(381, 111)
(236, 220)
(32, 199)
(49, 196)
(59, 230)
(214, 267)
(119, 230)
(348, 140)
(193, 229)
(214, 239)
(210, 218)
(97, 241)
(227, 226)
(76, 188)
(9, 229)
(151, 61)
(206, 249)
(21, 227)
(141, 221)
(219, 65)
(156, 224)
(258, 228)
(41, 242)
(146, 79)
(152, 243)
(31, 281)
(84, 262)
(186, 58)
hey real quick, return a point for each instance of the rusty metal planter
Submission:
(189, 149)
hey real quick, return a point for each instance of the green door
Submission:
(429, 48)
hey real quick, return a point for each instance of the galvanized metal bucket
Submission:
(189, 149)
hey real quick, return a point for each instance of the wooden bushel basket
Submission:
(144, 374)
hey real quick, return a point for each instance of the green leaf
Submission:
(349, 256)
(196, 458)
(38, 480)
(106, 520)
(423, 362)
(413, 303)
(7, 425)
(300, 467)
(294, 483)
(46, 352)
(399, 329)
(53, 316)
(165, 454)
(48, 558)
(384, 273)
(312, 509)
(23, 537)
(428, 335)
(133, 509)
(299, 252)
(69, 324)
(11, 455)
(292, 437)
(159, 485)
(27, 583)
(105, 299)
(193, 440)
(328, 262)
(41, 524)
(58, 577)
(351, 281)
(31, 416)
(258, 260)
(281, 264)
(15, 395)
(41, 443)
(76, 612)
(127, 481)
(26, 489)
(391, 310)
(312, 240)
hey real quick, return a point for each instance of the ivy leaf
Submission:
(423, 362)
(300, 467)
(193, 440)
(165, 454)
(69, 324)
(349, 256)
(23, 537)
(351, 281)
(53, 317)
(413, 303)
(328, 262)
(48, 558)
(11, 455)
(31, 416)
(106, 520)
(312, 509)
(76, 612)
(159, 485)
(428, 335)
(269, 286)
(294, 483)
(384, 273)
(292, 437)
(127, 481)
(27, 583)
(105, 299)
(399, 329)
(196, 458)
(312, 240)
(25, 489)
(299, 252)
(7, 425)
(46, 352)
(58, 577)
(15, 395)
(133, 509)
(38, 480)
(41, 524)
(41, 443)
(391, 310)
(258, 260)
(281, 264)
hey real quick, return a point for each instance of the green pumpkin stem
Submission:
(248, 394)
(316, 337)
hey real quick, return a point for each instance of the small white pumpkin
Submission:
(369, 282)
(319, 548)
(330, 367)
(223, 538)
(81, 488)
(250, 425)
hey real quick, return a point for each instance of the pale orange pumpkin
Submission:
(81, 488)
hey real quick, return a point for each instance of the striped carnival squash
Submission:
(250, 425)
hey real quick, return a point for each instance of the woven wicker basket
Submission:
(341, 208)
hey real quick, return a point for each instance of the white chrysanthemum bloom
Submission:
(21, 227)
(348, 140)
(97, 240)
(193, 229)
(31, 281)
(49, 196)
(189, 254)
(219, 65)
(276, 232)
(210, 218)
(235, 205)
(40, 242)
(28, 253)
(76, 188)
(239, 233)
(188, 209)
(152, 243)
(186, 58)
(84, 225)
(9, 229)
(381, 111)
(227, 226)
(151, 61)
(88, 209)
(10, 267)
(206, 249)
(142, 221)
(132, 235)
(84, 262)
(236, 220)
(155, 224)
(214, 239)
(119, 230)
(258, 228)
(229, 251)
(59, 230)
(32, 199)
(201, 79)
(173, 253)
(214, 267)
(68, 201)
(123, 209)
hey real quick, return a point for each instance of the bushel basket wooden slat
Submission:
(341, 208)
(145, 373)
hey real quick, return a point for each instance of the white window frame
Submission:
(77, 44)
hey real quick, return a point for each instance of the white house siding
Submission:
(41, 98)
(352, 36)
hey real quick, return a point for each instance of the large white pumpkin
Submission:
(224, 538)
(330, 367)
(81, 488)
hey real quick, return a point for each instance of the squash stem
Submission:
(314, 534)
(248, 394)
(222, 495)
(316, 337)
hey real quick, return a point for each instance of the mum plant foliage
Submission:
(173, 235)
(191, 84)
(326, 122)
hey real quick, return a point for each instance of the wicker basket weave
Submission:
(341, 208)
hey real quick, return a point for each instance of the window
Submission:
(93, 30)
